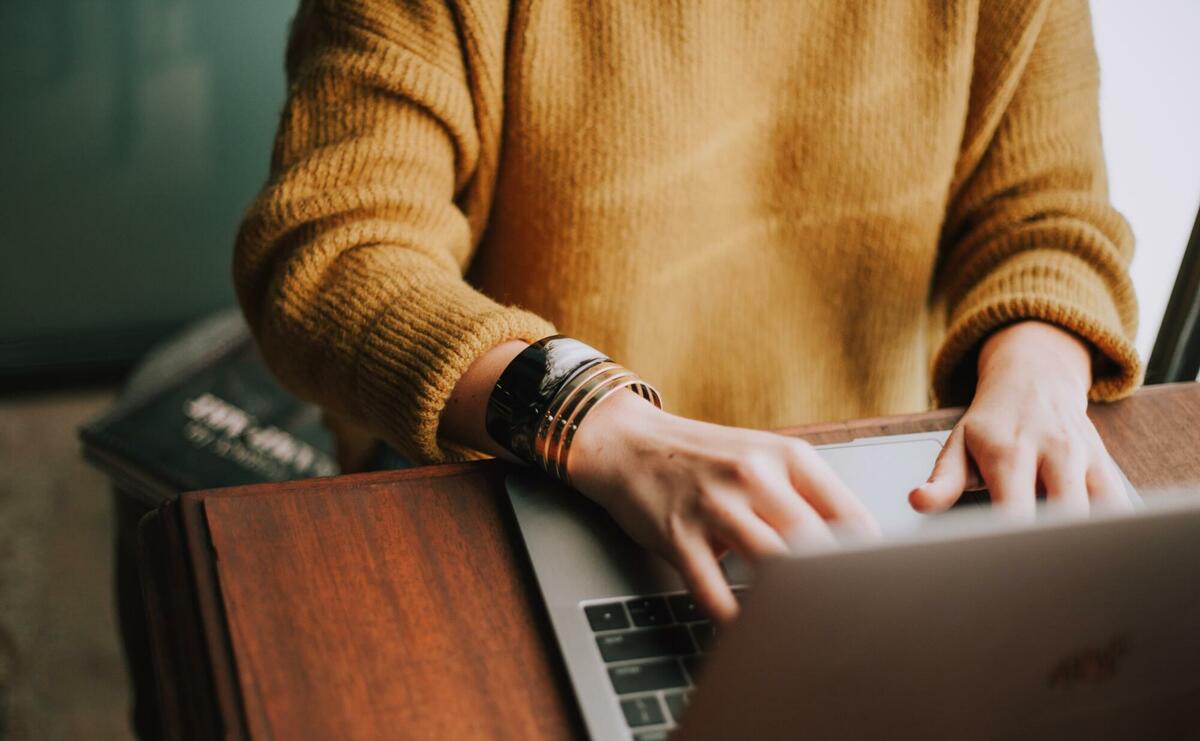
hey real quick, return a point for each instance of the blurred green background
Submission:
(133, 134)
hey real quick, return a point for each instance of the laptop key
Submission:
(658, 734)
(693, 664)
(685, 609)
(609, 616)
(642, 711)
(676, 702)
(647, 677)
(705, 635)
(649, 611)
(645, 644)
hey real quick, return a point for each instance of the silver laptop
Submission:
(946, 629)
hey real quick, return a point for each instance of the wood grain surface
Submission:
(392, 609)
(399, 604)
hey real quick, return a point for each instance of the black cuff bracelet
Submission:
(528, 385)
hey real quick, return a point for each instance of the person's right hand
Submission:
(689, 490)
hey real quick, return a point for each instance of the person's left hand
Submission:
(1027, 430)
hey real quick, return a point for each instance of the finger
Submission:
(1011, 478)
(1065, 479)
(949, 478)
(745, 532)
(797, 523)
(827, 497)
(789, 512)
(705, 579)
(1105, 486)
(974, 479)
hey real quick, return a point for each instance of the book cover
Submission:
(224, 421)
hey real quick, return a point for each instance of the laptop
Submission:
(952, 626)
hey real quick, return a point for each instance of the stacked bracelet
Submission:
(544, 394)
(576, 397)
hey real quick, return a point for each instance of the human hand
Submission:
(688, 490)
(1027, 430)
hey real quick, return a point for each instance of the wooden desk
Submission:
(399, 604)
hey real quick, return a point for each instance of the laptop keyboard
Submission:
(652, 648)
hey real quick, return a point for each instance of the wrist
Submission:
(544, 395)
(1039, 350)
(612, 430)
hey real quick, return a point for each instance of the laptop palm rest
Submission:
(579, 553)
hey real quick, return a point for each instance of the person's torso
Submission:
(740, 200)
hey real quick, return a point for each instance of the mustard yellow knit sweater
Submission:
(777, 211)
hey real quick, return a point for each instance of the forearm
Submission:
(349, 266)
(1030, 233)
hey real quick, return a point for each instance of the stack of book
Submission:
(204, 412)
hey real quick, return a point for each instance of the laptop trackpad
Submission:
(880, 473)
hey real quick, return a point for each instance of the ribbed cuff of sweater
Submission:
(1050, 286)
(416, 353)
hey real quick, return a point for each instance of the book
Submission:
(204, 412)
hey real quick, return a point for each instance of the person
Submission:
(775, 212)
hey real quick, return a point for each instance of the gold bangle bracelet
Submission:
(575, 407)
(639, 386)
(573, 404)
(562, 407)
(552, 417)
(562, 417)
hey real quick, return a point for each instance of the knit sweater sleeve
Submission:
(349, 265)
(1029, 232)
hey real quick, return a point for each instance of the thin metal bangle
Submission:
(645, 390)
(583, 400)
(554, 404)
(580, 401)
(562, 404)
